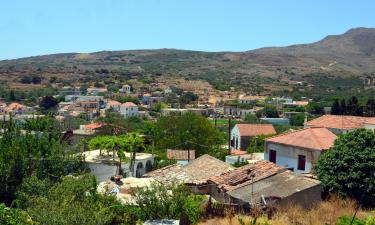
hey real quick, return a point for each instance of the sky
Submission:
(38, 27)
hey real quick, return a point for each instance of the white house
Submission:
(114, 105)
(129, 109)
(298, 150)
(103, 166)
(126, 89)
(241, 134)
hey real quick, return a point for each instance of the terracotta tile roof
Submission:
(15, 106)
(315, 138)
(196, 172)
(339, 122)
(237, 152)
(113, 103)
(246, 175)
(181, 154)
(251, 130)
(93, 126)
(128, 104)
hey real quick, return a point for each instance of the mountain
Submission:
(349, 54)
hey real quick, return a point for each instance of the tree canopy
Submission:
(348, 168)
(189, 131)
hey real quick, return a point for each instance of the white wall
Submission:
(235, 135)
(287, 156)
(129, 111)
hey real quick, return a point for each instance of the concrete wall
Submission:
(306, 198)
(287, 156)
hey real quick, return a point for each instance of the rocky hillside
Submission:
(350, 54)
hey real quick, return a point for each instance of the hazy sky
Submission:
(36, 27)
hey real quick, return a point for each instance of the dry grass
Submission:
(325, 212)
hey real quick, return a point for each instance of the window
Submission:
(272, 156)
(301, 162)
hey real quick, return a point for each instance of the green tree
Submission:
(297, 119)
(270, 111)
(353, 107)
(343, 108)
(189, 131)
(317, 108)
(11, 216)
(370, 107)
(162, 201)
(348, 168)
(48, 102)
(73, 201)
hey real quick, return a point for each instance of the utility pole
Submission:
(229, 133)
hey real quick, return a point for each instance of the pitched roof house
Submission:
(282, 189)
(183, 157)
(342, 124)
(241, 134)
(258, 183)
(298, 150)
(194, 174)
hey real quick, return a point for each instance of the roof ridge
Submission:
(290, 132)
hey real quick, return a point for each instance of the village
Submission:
(266, 156)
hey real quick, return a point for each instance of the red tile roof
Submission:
(340, 122)
(113, 103)
(128, 104)
(317, 138)
(237, 152)
(246, 175)
(15, 106)
(93, 126)
(181, 154)
(251, 130)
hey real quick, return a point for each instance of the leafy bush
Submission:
(348, 168)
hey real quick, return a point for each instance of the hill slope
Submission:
(349, 54)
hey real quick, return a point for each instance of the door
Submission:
(301, 162)
(272, 156)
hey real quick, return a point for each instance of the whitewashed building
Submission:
(129, 109)
(298, 150)
(241, 134)
(126, 89)
(103, 166)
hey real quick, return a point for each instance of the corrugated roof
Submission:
(181, 154)
(280, 185)
(315, 138)
(251, 130)
(340, 122)
(246, 175)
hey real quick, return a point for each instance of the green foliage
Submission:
(240, 163)
(352, 107)
(10, 216)
(348, 168)
(297, 119)
(315, 108)
(31, 152)
(189, 131)
(257, 143)
(269, 111)
(188, 97)
(72, 201)
(48, 102)
(124, 99)
(348, 220)
(169, 201)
